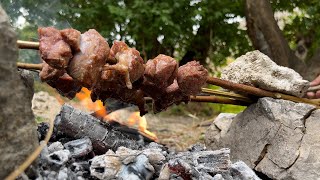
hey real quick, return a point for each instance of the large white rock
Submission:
(278, 138)
(256, 69)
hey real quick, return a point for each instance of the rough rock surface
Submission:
(18, 136)
(256, 69)
(45, 106)
(278, 138)
(218, 129)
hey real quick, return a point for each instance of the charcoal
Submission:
(105, 166)
(218, 177)
(59, 158)
(55, 146)
(183, 169)
(123, 164)
(81, 168)
(42, 130)
(77, 124)
(156, 158)
(79, 147)
(239, 170)
(139, 169)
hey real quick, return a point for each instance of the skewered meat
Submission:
(66, 86)
(171, 95)
(72, 37)
(49, 73)
(129, 63)
(117, 47)
(191, 77)
(129, 80)
(86, 65)
(53, 49)
(161, 71)
(132, 96)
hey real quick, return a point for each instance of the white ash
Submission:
(56, 146)
(256, 69)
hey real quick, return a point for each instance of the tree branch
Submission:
(267, 37)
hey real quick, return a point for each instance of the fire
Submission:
(135, 118)
(97, 107)
(85, 100)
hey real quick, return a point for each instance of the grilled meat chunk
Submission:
(72, 37)
(191, 77)
(49, 73)
(53, 49)
(66, 86)
(129, 64)
(86, 65)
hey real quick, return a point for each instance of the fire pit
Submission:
(80, 145)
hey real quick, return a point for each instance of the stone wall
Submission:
(18, 136)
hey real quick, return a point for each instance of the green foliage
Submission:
(208, 28)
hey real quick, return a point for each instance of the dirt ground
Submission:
(175, 132)
(178, 132)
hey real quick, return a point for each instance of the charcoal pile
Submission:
(83, 147)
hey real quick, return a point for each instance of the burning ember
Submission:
(134, 120)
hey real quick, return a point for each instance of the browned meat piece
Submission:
(66, 86)
(129, 63)
(53, 49)
(49, 73)
(158, 75)
(117, 47)
(171, 95)
(87, 64)
(72, 37)
(191, 77)
(161, 71)
(132, 96)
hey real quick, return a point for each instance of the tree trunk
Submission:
(267, 37)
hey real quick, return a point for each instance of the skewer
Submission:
(29, 66)
(219, 100)
(211, 80)
(258, 92)
(227, 85)
(233, 98)
(28, 44)
(227, 94)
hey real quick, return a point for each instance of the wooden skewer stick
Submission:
(226, 94)
(28, 44)
(29, 66)
(217, 99)
(258, 92)
(227, 85)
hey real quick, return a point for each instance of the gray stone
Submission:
(218, 129)
(278, 138)
(18, 135)
(256, 69)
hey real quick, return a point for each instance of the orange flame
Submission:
(100, 111)
(135, 118)
(85, 100)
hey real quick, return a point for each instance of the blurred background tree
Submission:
(210, 31)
